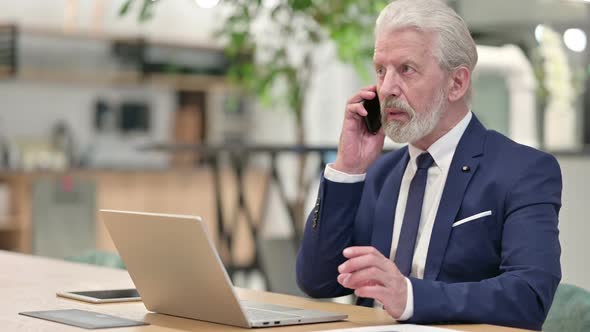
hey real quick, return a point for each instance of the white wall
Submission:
(30, 110)
(574, 223)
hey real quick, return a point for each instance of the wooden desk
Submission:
(29, 283)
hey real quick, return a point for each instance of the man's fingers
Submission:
(362, 95)
(342, 278)
(364, 262)
(364, 277)
(355, 111)
(376, 292)
(351, 252)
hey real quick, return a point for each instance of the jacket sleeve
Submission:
(522, 293)
(328, 230)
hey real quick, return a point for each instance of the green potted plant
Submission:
(280, 71)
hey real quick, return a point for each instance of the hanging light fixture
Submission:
(575, 40)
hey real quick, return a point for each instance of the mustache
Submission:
(392, 102)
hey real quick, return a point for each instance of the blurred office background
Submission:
(104, 110)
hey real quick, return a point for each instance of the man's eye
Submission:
(407, 69)
(380, 71)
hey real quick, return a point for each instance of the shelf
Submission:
(33, 54)
(86, 34)
(188, 82)
(181, 82)
(77, 77)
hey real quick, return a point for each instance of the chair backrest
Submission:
(63, 216)
(570, 310)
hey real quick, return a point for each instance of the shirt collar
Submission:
(443, 150)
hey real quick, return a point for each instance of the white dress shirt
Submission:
(442, 151)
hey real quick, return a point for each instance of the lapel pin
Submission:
(465, 169)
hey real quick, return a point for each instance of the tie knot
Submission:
(424, 161)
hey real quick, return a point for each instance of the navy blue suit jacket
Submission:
(501, 269)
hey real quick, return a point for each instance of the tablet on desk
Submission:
(103, 296)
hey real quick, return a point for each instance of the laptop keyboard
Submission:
(258, 314)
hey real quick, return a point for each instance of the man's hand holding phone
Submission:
(359, 147)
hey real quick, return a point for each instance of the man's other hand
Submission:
(372, 275)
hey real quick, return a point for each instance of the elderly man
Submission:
(460, 225)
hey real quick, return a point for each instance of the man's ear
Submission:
(459, 82)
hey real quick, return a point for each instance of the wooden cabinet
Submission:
(174, 191)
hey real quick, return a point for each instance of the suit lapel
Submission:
(385, 207)
(469, 148)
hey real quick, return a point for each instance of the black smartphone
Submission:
(373, 118)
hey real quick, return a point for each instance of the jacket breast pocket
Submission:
(473, 246)
(475, 217)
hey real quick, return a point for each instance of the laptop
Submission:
(178, 272)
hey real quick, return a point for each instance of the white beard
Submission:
(419, 125)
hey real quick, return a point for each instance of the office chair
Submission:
(570, 310)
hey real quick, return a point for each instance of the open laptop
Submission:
(177, 271)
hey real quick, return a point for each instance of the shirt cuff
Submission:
(341, 177)
(409, 310)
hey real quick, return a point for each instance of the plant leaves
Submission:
(125, 7)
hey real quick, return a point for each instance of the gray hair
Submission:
(454, 45)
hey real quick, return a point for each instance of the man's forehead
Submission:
(405, 41)
(409, 35)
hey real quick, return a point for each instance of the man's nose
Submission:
(391, 85)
